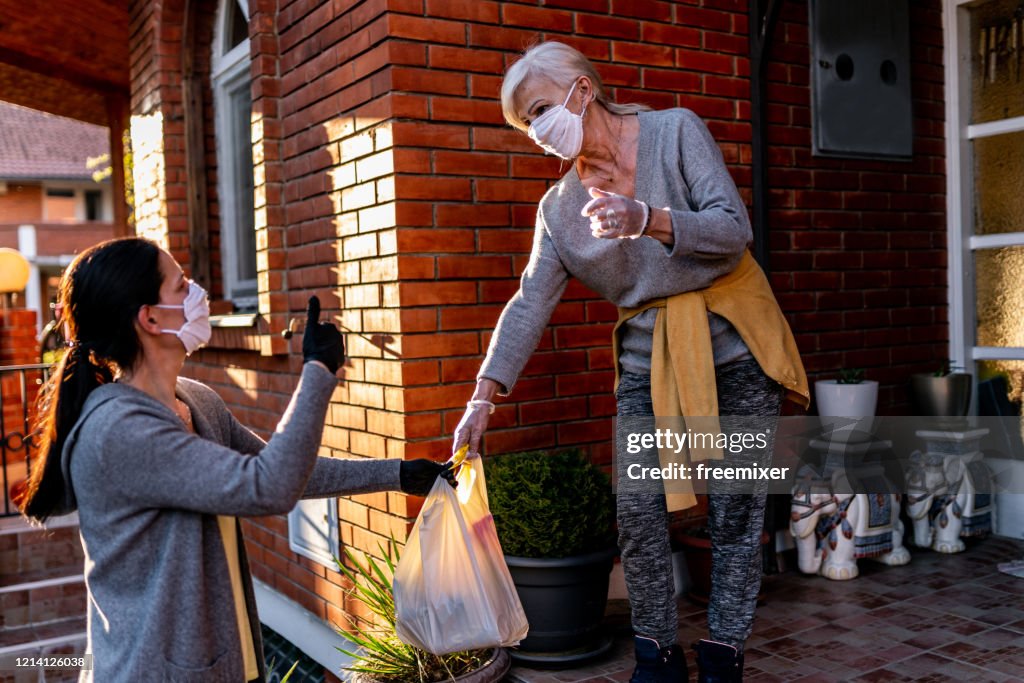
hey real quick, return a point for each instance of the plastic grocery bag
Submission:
(452, 588)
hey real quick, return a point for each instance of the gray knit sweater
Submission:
(148, 493)
(680, 168)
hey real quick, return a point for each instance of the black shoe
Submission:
(718, 662)
(658, 665)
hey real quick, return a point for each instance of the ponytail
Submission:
(59, 405)
(101, 292)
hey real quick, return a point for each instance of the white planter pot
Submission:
(847, 410)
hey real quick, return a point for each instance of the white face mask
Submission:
(196, 331)
(558, 131)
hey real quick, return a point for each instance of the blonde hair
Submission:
(562, 65)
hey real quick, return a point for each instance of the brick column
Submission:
(18, 346)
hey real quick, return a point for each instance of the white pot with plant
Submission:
(847, 405)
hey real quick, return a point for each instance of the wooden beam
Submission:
(118, 121)
(86, 41)
(64, 72)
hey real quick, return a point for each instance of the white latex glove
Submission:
(472, 426)
(615, 216)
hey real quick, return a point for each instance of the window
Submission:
(232, 101)
(313, 530)
(986, 172)
(93, 205)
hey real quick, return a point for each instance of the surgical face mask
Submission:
(196, 331)
(559, 131)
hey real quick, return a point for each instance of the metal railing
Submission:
(19, 387)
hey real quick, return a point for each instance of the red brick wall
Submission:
(309, 129)
(23, 203)
(158, 125)
(27, 553)
(326, 191)
(53, 240)
(472, 185)
(859, 247)
(18, 346)
(58, 239)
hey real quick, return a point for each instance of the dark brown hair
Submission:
(101, 293)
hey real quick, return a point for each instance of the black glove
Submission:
(417, 476)
(322, 341)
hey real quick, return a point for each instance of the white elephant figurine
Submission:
(847, 527)
(926, 482)
(966, 507)
(812, 499)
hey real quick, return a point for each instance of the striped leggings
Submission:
(735, 521)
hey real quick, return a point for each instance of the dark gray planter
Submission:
(944, 396)
(564, 600)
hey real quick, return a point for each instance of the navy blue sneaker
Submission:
(658, 664)
(718, 662)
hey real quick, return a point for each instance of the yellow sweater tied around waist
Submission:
(682, 359)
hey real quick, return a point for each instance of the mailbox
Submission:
(860, 79)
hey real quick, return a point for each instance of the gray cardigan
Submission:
(148, 493)
(678, 167)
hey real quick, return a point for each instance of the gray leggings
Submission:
(734, 520)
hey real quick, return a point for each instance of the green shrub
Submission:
(549, 505)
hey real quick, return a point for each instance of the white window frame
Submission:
(313, 530)
(961, 240)
(228, 72)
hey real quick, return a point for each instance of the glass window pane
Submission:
(93, 205)
(237, 28)
(996, 61)
(999, 296)
(1012, 370)
(245, 233)
(998, 179)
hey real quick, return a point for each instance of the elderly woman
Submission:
(648, 217)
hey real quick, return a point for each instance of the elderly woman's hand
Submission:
(614, 216)
(471, 427)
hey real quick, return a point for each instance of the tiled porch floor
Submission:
(939, 618)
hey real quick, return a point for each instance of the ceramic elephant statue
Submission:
(926, 482)
(812, 499)
(846, 527)
(965, 509)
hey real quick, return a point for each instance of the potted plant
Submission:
(946, 392)
(851, 400)
(554, 514)
(382, 658)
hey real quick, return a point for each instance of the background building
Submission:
(55, 193)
